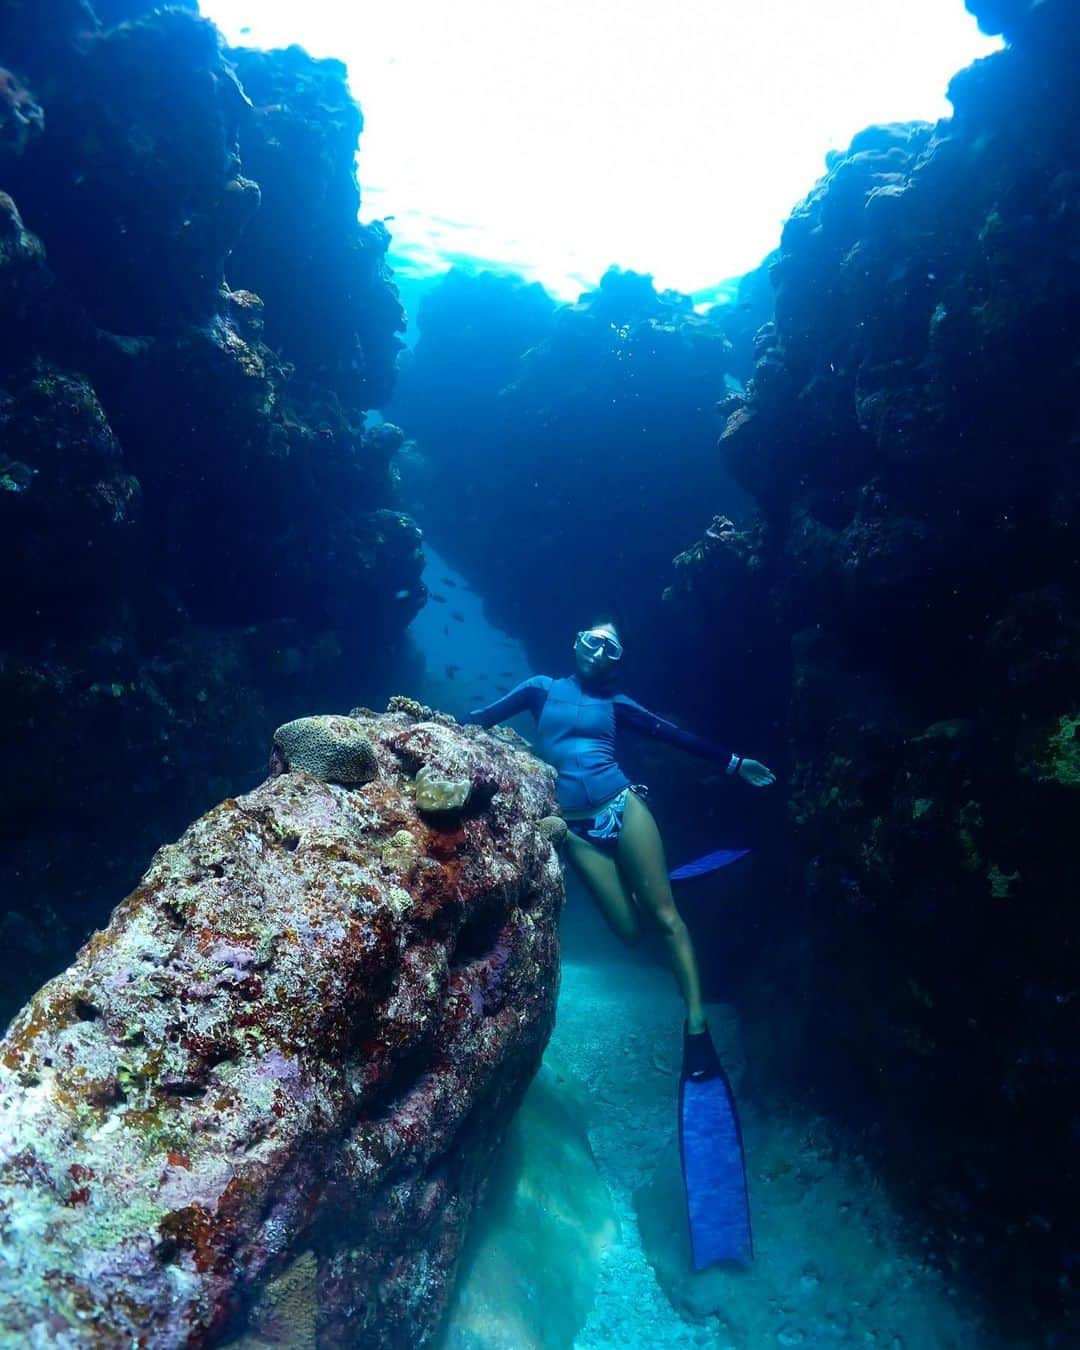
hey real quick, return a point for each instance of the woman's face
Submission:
(597, 650)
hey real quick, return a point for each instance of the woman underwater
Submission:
(612, 839)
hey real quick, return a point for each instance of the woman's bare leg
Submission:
(601, 876)
(640, 859)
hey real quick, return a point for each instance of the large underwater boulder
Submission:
(263, 1100)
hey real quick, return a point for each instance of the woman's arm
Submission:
(631, 714)
(528, 696)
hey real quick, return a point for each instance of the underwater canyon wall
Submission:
(566, 447)
(200, 535)
(911, 437)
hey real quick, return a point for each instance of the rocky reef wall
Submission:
(566, 447)
(262, 1102)
(201, 536)
(911, 438)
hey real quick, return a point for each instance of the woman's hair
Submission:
(608, 618)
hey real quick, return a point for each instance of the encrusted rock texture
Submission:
(910, 436)
(201, 537)
(261, 1103)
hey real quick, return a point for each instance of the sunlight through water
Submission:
(560, 138)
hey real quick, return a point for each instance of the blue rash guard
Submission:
(576, 734)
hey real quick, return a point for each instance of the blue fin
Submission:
(714, 1172)
(711, 862)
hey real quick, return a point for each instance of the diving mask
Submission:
(596, 640)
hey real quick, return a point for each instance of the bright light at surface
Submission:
(562, 136)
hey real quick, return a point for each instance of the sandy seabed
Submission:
(834, 1265)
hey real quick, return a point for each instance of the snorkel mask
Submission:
(597, 640)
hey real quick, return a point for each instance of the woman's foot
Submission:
(700, 1060)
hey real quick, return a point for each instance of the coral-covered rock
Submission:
(21, 117)
(333, 310)
(722, 565)
(1027, 21)
(31, 34)
(24, 284)
(112, 12)
(608, 404)
(910, 436)
(203, 537)
(140, 195)
(269, 1090)
(67, 508)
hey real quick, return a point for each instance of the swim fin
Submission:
(711, 862)
(710, 1145)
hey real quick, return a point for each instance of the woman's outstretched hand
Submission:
(755, 773)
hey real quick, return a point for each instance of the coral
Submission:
(419, 712)
(553, 828)
(401, 852)
(286, 1311)
(288, 1054)
(440, 794)
(21, 118)
(1060, 761)
(332, 748)
(1002, 884)
(727, 567)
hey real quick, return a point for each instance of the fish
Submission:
(439, 599)
(447, 582)
(446, 629)
(506, 674)
(402, 595)
(457, 614)
(451, 671)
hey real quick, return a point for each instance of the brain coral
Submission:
(331, 747)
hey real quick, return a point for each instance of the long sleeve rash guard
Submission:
(576, 733)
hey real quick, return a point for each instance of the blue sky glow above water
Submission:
(559, 138)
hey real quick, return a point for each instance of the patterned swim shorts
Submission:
(604, 828)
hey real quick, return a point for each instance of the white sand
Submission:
(832, 1267)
